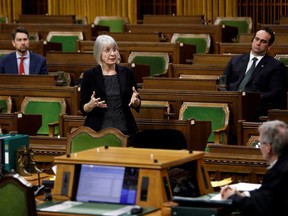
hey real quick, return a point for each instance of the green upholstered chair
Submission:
(201, 41)
(16, 198)
(282, 57)
(83, 138)
(67, 39)
(158, 62)
(49, 108)
(244, 24)
(115, 23)
(217, 113)
(3, 19)
(5, 104)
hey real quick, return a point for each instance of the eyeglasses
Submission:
(259, 144)
(110, 50)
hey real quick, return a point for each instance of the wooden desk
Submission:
(152, 163)
(192, 82)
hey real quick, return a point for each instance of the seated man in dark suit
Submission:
(22, 61)
(272, 197)
(268, 76)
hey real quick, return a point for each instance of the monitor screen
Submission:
(107, 184)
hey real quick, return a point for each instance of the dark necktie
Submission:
(21, 66)
(247, 75)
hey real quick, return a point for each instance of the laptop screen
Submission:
(107, 184)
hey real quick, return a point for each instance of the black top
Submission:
(93, 80)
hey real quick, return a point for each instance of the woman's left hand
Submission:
(135, 101)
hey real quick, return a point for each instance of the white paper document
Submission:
(240, 187)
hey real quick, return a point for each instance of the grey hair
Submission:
(101, 42)
(275, 133)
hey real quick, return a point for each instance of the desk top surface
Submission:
(131, 157)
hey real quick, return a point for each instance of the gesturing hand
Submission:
(135, 101)
(96, 102)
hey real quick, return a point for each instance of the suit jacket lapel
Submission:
(259, 67)
(243, 67)
(14, 66)
(121, 79)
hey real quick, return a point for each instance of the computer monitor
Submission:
(107, 184)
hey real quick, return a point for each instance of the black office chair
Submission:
(158, 139)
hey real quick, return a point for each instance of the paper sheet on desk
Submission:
(61, 206)
(240, 187)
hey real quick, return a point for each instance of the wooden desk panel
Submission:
(208, 83)
(171, 19)
(90, 31)
(196, 69)
(241, 48)
(224, 161)
(52, 19)
(27, 80)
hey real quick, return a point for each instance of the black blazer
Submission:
(93, 80)
(272, 197)
(268, 78)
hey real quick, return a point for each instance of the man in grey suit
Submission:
(33, 63)
(268, 76)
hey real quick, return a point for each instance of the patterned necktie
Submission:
(247, 75)
(21, 66)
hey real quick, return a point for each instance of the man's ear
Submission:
(13, 43)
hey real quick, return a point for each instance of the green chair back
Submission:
(201, 41)
(16, 199)
(283, 58)
(48, 108)
(244, 24)
(3, 19)
(5, 104)
(67, 39)
(69, 43)
(158, 62)
(84, 138)
(216, 114)
(115, 23)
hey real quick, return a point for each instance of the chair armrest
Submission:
(170, 115)
(52, 127)
(217, 135)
